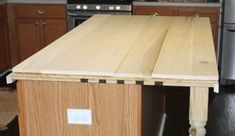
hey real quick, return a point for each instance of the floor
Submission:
(221, 121)
(13, 129)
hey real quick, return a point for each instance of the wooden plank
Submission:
(187, 54)
(204, 64)
(104, 49)
(174, 60)
(116, 109)
(140, 60)
(59, 48)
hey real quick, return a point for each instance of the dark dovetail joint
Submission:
(139, 82)
(159, 83)
(120, 81)
(102, 81)
(84, 80)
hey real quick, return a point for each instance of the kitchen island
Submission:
(98, 69)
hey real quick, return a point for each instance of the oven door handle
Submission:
(231, 30)
(77, 16)
(73, 14)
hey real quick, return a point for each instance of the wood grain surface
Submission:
(185, 51)
(116, 109)
(146, 48)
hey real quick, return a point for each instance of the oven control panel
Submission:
(102, 7)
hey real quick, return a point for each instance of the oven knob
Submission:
(84, 7)
(97, 7)
(118, 7)
(111, 8)
(78, 7)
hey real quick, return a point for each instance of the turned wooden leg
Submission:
(198, 110)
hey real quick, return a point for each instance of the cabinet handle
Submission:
(231, 30)
(155, 14)
(44, 24)
(40, 12)
(36, 23)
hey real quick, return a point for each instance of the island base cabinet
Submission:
(43, 105)
(116, 109)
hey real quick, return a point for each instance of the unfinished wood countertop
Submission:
(148, 49)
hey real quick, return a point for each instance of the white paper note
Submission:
(79, 116)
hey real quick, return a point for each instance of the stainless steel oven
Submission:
(74, 19)
(79, 12)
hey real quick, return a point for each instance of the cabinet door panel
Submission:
(151, 10)
(40, 11)
(4, 47)
(212, 13)
(28, 37)
(4, 51)
(27, 30)
(52, 29)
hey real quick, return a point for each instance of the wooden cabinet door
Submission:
(4, 47)
(212, 13)
(4, 50)
(52, 29)
(28, 37)
(34, 27)
(153, 10)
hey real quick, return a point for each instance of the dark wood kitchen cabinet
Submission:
(36, 26)
(154, 10)
(4, 48)
(211, 12)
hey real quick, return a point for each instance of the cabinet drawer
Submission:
(151, 10)
(212, 13)
(40, 11)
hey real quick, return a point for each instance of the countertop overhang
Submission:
(129, 49)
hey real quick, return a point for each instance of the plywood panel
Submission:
(115, 108)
